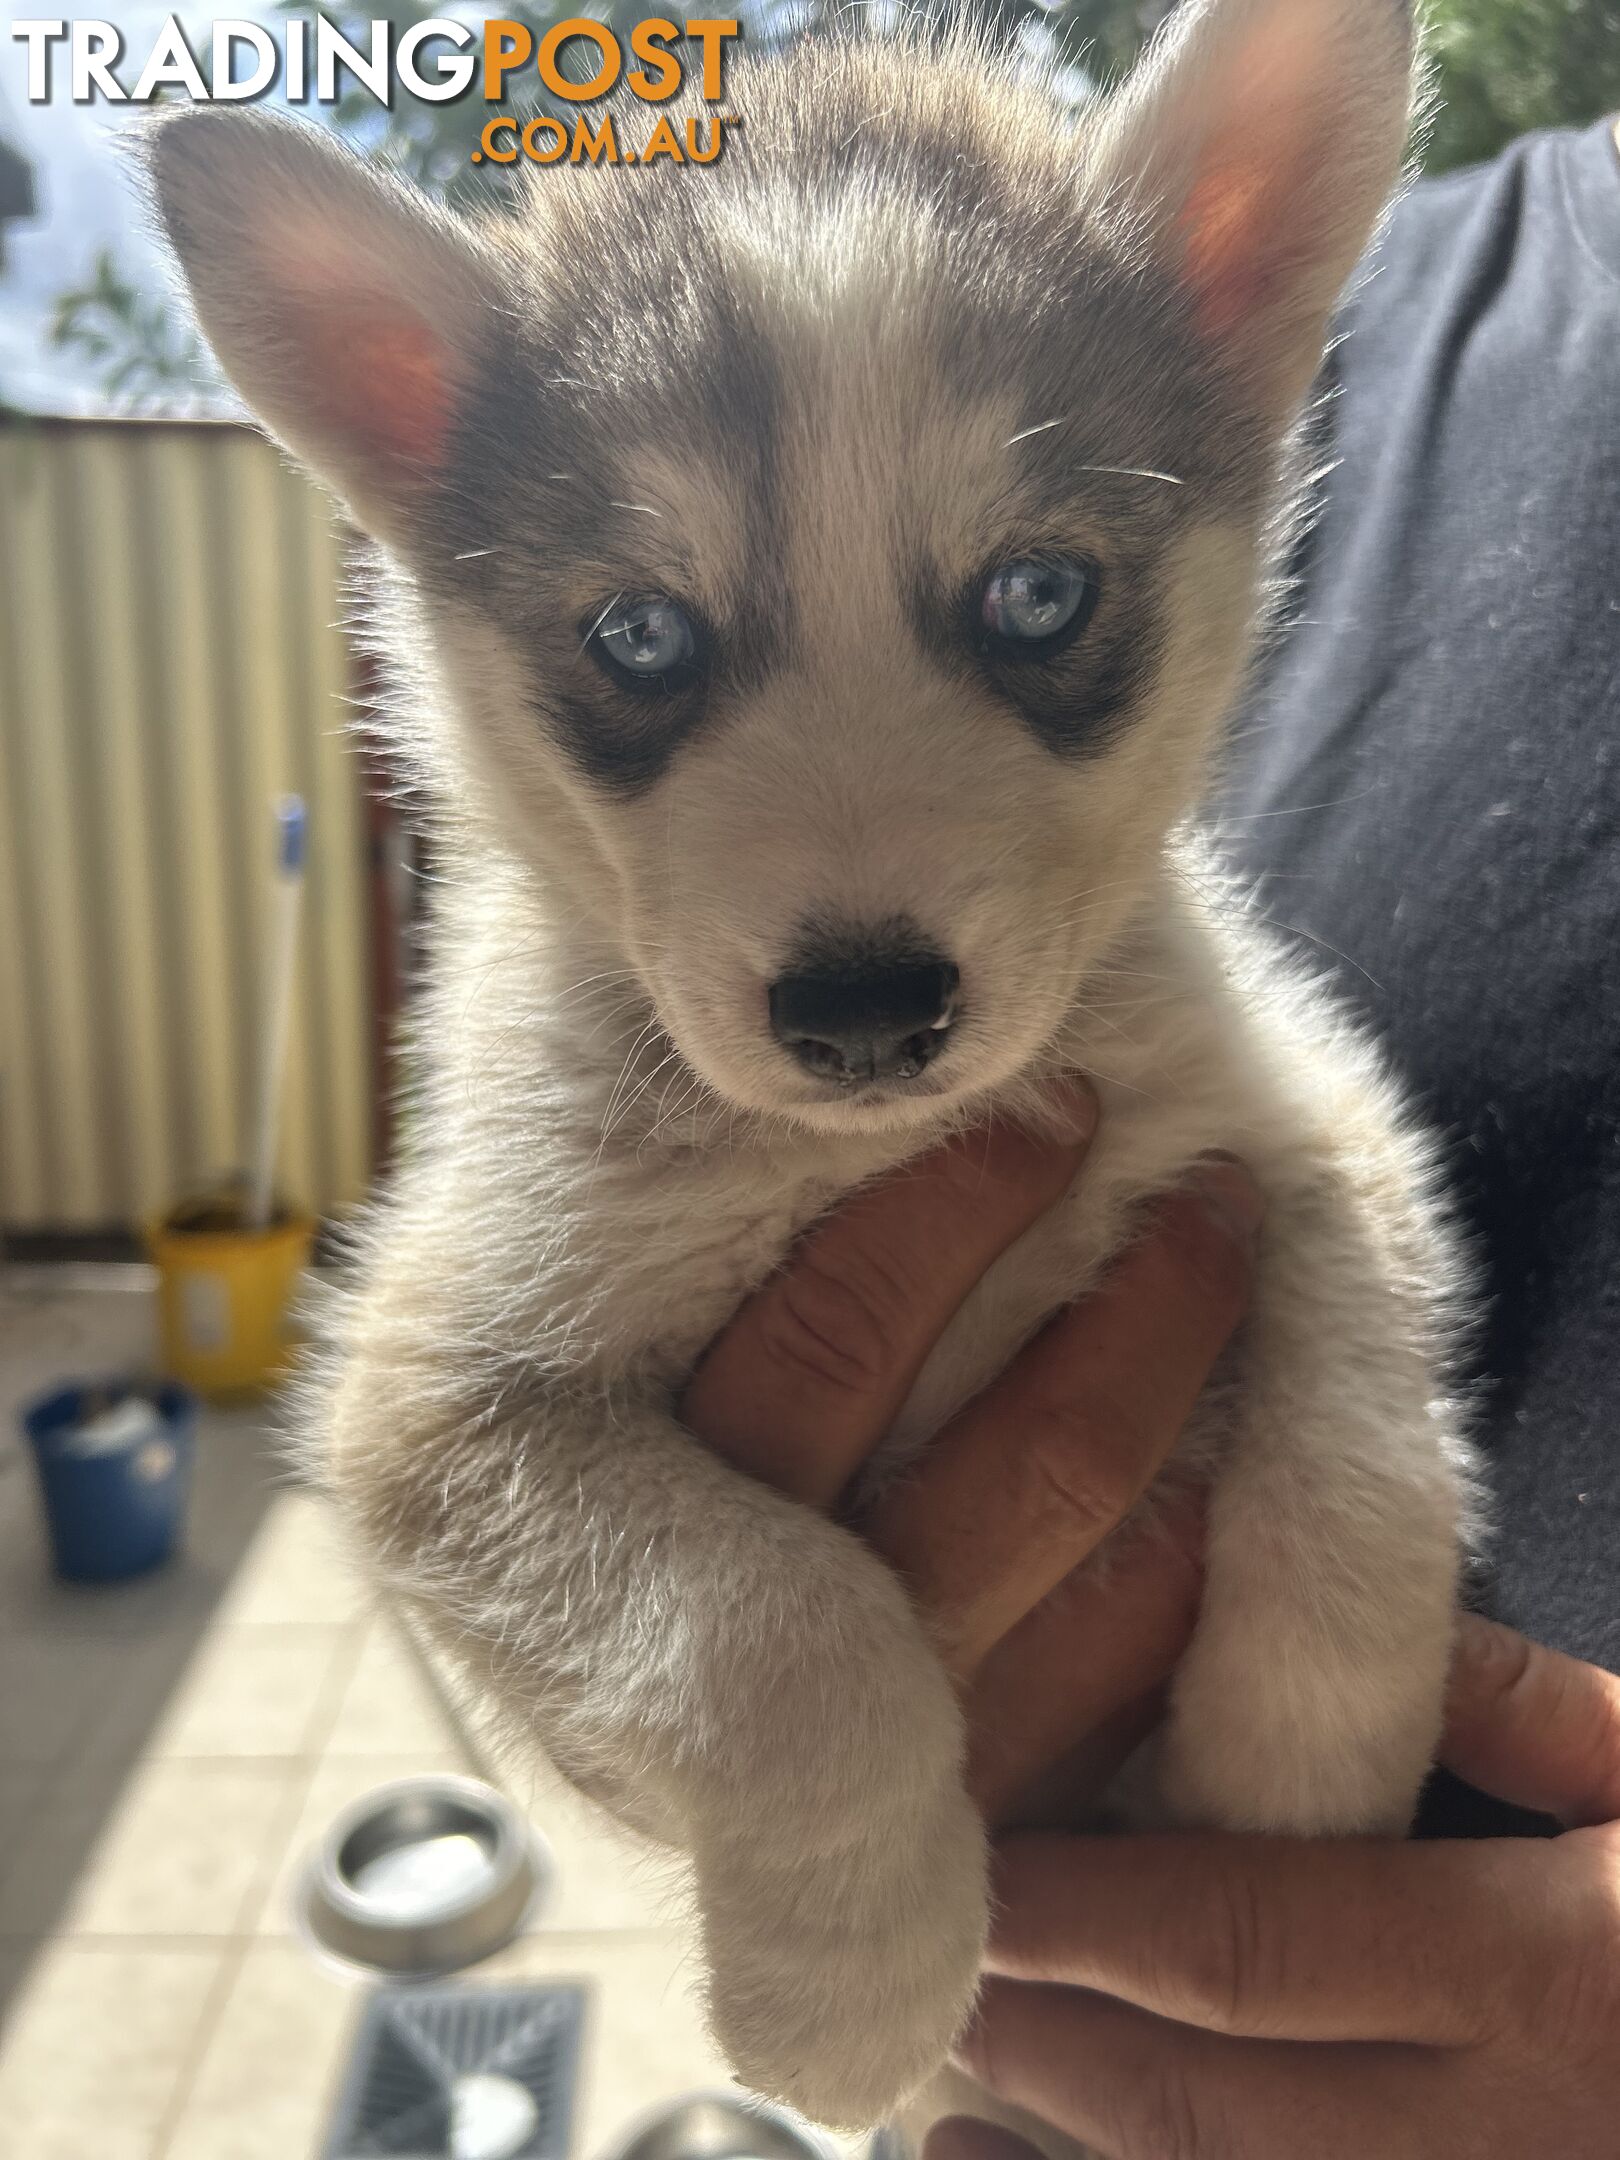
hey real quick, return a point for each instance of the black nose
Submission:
(871, 1021)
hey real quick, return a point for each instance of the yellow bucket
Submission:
(224, 1293)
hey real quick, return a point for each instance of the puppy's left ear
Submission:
(1259, 140)
(346, 308)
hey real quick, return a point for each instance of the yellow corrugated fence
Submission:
(170, 662)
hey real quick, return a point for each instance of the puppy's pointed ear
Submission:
(346, 310)
(1260, 139)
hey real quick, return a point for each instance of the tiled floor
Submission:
(169, 1749)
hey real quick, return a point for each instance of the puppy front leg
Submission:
(1310, 1700)
(727, 1671)
(1309, 1703)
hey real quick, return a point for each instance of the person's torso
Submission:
(1427, 780)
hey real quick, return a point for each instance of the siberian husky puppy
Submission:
(816, 583)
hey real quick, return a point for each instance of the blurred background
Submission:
(170, 661)
(193, 1683)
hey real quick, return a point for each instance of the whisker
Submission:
(1041, 427)
(1275, 922)
(647, 1030)
(670, 1057)
(1121, 472)
(600, 620)
(1249, 817)
(1136, 472)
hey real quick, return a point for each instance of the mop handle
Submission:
(290, 836)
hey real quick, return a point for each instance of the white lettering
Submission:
(39, 36)
(450, 77)
(171, 60)
(95, 46)
(227, 36)
(333, 49)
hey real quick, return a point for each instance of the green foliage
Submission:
(146, 359)
(1102, 37)
(1506, 66)
(1502, 67)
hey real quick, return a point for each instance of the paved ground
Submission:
(169, 1749)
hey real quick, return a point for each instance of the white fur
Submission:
(610, 1150)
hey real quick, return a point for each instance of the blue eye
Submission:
(650, 640)
(1031, 604)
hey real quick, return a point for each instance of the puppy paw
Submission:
(841, 1981)
(1300, 1760)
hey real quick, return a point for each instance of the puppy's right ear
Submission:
(345, 308)
(1255, 145)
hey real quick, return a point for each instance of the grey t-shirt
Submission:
(1428, 783)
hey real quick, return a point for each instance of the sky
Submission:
(84, 201)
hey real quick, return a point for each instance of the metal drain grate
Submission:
(461, 2073)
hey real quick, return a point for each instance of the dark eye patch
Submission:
(1073, 690)
(625, 739)
(535, 534)
(1077, 699)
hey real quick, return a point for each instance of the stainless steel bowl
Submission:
(422, 1877)
(721, 2126)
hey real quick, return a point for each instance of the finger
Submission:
(1086, 1663)
(808, 1377)
(1076, 1788)
(1533, 1726)
(964, 2137)
(1138, 2087)
(1267, 1938)
(1031, 1477)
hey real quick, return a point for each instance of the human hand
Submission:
(1204, 1998)
(1025, 1483)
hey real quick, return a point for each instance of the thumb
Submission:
(1532, 1726)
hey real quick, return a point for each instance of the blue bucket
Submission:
(113, 1509)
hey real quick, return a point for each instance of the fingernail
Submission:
(1231, 1198)
(1075, 1104)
